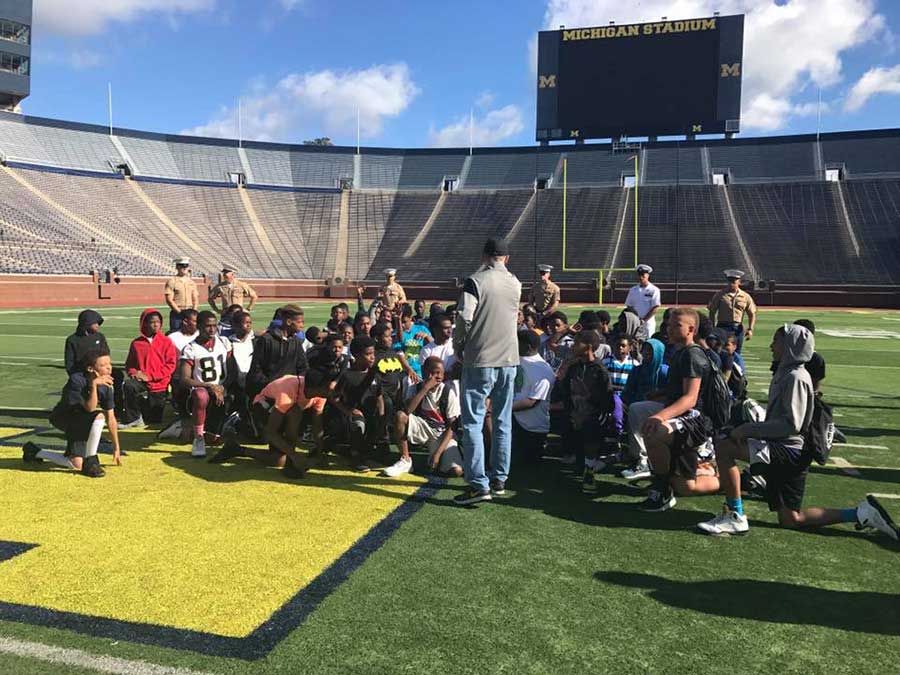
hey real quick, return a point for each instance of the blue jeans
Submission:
(479, 384)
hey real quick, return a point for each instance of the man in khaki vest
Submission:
(232, 291)
(392, 293)
(728, 307)
(180, 293)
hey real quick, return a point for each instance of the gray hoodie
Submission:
(485, 332)
(790, 406)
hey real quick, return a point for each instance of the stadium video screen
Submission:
(650, 79)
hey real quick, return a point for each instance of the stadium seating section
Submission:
(74, 198)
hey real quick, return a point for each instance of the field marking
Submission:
(12, 363)
(882, 495)
(862, 447)
(37, 358)
(81, 659)
(54, 337)
(845, 466)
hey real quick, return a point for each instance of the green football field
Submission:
(543, 580)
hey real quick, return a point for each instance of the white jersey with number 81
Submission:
(209, 363)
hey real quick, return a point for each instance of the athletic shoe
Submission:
(91, 468)
(136, 424)
(870, 513)
(198, 449)
(640, 472)
(29, 453)
(588, 483)
(173, 431)
(472, 496)
(568, 460)
(498, 487)
(398, 468)
(229, 451)
(728, 522)
(753, 485)
(658, 502)
(290, 470)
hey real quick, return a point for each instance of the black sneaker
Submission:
(229, 451)
(290, 470)
(29, 453)
(472, 496)
(498, 487)
(91, 468)
(588, 482)
(658, 501)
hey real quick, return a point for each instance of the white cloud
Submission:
(63, 17)
(290, 4)
(488, 129)
(874, 81)
(318, 103)
(81, 59)
(787, 45)
(485, 99)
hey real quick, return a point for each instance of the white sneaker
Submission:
(728, 522)
(870, 513)
(136, 424)
(567, 459)
(399, 467)
(198, 449)
(640, 472)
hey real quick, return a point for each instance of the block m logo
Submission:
(546, 81)
(730, 70)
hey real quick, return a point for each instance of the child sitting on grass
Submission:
(87, 403)
(359, 400)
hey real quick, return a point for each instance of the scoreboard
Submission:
(646, 79)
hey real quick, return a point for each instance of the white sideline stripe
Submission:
(56, 358)
(844, 466)
(81, 659)
(882, 495)
(863, 447)
(57, 338)
(12, 363)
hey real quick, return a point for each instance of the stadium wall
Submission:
(28, 291)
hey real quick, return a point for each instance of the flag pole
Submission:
(357, 130)
(109, 103)
(240, 123)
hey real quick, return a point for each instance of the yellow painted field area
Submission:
(170, 540)
(6, 432)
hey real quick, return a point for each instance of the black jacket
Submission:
(274, 356)
(81, 342)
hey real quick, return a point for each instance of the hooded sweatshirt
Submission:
(790, 407)
(274, 355)
(156, 359)
(81, 341)
(646, 376)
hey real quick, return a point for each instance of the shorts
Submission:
(692, 447)
(419, 432)
(785, 471)
(79, 426)
(451, 458)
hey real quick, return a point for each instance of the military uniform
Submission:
(727, 309)
(393, 294)
(235, 293)
(544, 295)
(183, 292)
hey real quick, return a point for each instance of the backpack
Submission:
(716, 396)
(819, 435)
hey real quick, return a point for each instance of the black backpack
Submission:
(716, 396)
(819, 435)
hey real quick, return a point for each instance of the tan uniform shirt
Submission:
(183, 292)
(544, 295)
(728, 307)
(237, 293)
(393, 295)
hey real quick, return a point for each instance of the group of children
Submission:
(606, 392)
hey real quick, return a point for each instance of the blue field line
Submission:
(264, 638)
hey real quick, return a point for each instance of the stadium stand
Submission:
(65, 208)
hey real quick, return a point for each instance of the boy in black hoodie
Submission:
(277, 352)
(586, 390)
(87, 337)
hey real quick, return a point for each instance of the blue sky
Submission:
(415, 70)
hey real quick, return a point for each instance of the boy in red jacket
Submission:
(148, 369)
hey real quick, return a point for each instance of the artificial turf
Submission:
(545, 579)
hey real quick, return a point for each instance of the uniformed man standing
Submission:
(728, 307)
(232, 292)
(392, 293)
(644, 298)
(181, 293)
(544, 294)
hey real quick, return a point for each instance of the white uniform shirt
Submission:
(180, 340)
(243, 355)
(642, 299)
(209, 364)
(534, 379)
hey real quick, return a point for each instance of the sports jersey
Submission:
(209, 364)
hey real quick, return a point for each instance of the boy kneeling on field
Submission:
(432, 409)
(77, 415)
